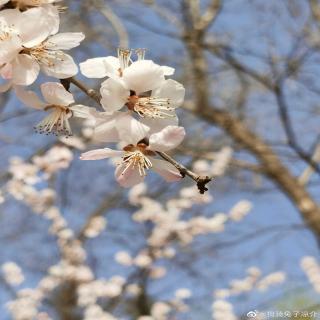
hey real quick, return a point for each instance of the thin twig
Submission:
(89, 92)
(201, 181)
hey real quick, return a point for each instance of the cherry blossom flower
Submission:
(60, 104)
(129, 85)
(26, 47)
(139, 153)
(115, 67)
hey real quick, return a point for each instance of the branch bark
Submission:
(273, 168)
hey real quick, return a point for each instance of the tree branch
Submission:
(200, 180)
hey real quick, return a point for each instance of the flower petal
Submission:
(128, 177)
(6, 71)
(105, 129)
(99, 154)
(25, 70)
(32, 33)
(62, 67)
(64, 41)
(53, 16)
(167, 71)
(157, 125)
(172, 90)
(81, 111)
(143, 75)
(131, 130)
(167, 139)
(100, 67)
(166, 170)
(55, 93)
(29, 98)
(9, 48)
(114, 95)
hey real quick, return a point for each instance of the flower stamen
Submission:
(57, 122)
(124, 56)
(43, 55)
(150, 107)
(136, 159)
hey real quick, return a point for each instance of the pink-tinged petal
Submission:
(61, 68)
(25, 70)
(29, 98)
(167, 139)
(6, 71)
(167, 71)
(100, 67)
(9, 48)
(5, 87)
(131, 130)
(9, 17)
(64, 41)
(157, 125)
(143, 75)
(172, 90)
(128, 177)
(166, 170)
(100, 154)
(114, 95)
(31, 33)
(55, 93)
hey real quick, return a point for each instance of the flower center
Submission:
(57, 122)
(136, 157)
(150, 107)
(44, 55)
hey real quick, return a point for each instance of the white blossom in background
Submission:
(95, 226)
(12, 273)
(95, 312)
(22, 171)
(240, 210)
(183, 293)
(25, 306)
(253, 281)
(160, 310)
(222, 310)
(216, 163)
(311, 267)
(56, 158)
(61, 107)
(158, 272)
(133, 289)
(270, 280)
(124, 258)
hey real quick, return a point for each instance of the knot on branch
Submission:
(201, 183)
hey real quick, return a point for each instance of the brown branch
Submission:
(201, 181)
(272, 165)
(89, 92)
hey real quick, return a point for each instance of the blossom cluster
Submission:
(138, 99)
